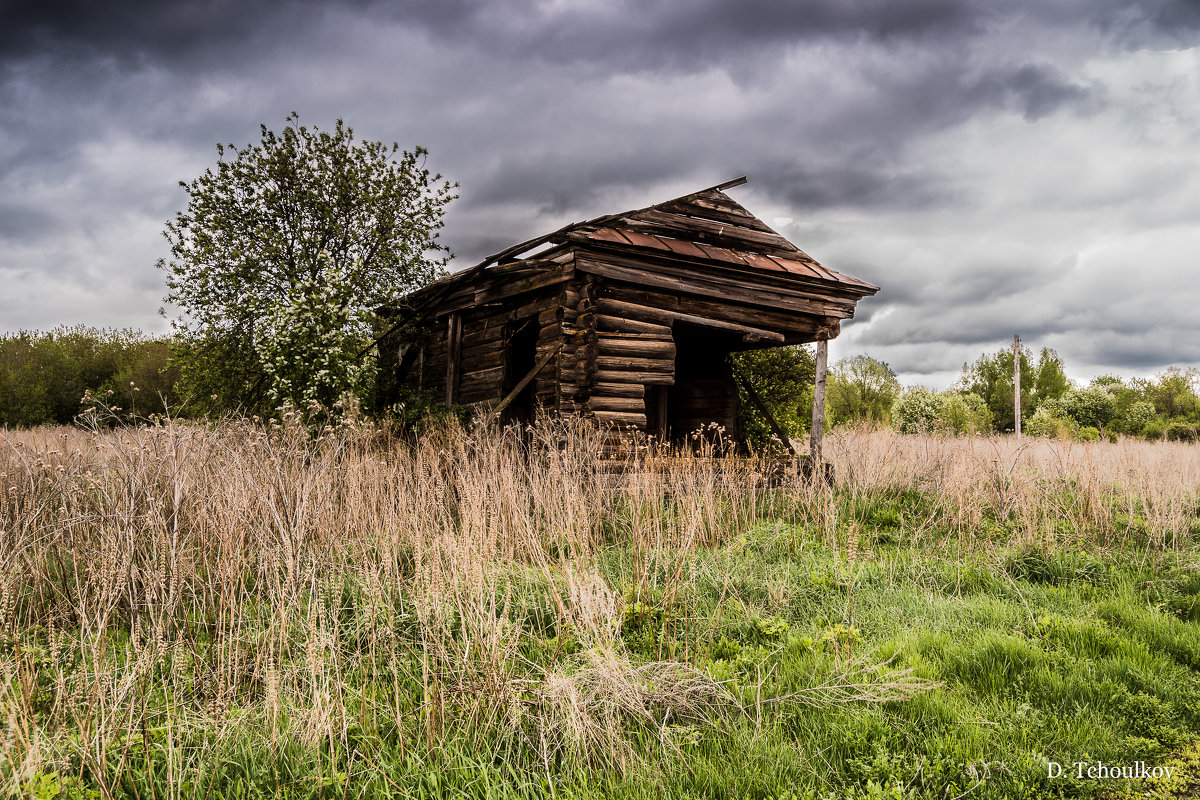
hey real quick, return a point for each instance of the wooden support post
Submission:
(453, 356)
(818, 414)
(1017, 385)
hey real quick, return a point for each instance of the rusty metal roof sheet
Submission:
(807, 267)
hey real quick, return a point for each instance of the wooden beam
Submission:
(818, 415)
(453, 356)
(622, 308)
(712, 285)
(516, 390)
(757, 401)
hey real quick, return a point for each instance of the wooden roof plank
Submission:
(691, 284)
(714, 232)
(744, 219)
(807, 269)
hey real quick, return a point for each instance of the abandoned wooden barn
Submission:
(627, 319)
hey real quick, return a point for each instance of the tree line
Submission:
(865, 390)
(45, 377)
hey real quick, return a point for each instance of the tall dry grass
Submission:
(1047, 492)
(167, 589)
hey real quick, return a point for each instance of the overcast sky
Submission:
(1026, 166)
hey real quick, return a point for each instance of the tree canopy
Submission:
(861, 388)
(284, 252)
(783, 378)
(991, 377)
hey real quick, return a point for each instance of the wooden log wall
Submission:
(490, 313)
(575, 367)
(615, 358)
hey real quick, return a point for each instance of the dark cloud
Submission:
(668, 35)
(137, 32)
(965, 155)
(1035, 90)
(20, 222)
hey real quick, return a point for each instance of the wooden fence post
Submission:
(818, 415)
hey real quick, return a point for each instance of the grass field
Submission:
(244, 611)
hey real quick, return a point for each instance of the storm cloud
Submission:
(997, 168)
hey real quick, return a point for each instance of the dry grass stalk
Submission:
(244, 573)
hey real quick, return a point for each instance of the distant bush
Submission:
(1179, 430)
(964, 413)
(1140, 415)
(916, 411)
(1091, 408)
(1047, 421)
(44, 375)
(920, 410)
(1155, 429)
(1088, 433)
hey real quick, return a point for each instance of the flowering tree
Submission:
(282, 255)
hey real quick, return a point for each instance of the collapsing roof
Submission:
(625, 318)
(705, 225)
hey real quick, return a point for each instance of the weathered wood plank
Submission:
(708, 232)
(632, 363)
(494, 374)
(481, 360)
(738, 275)
(740, 218)
(454, 333)
(818, 414)
(478, 334)
(618, 324)
(715, 285)
(641, 348)
(615, 307)
(620, 418)
(510, 288)
(635, 376)
(634, 405)
(760, 318)
(637, 390)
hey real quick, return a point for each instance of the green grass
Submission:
(1040, 657)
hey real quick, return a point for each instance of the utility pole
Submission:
(1017, 385)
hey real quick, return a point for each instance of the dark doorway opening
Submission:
(703, 402)
(519, 358)
(658, 411)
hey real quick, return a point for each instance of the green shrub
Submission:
(1179, 430)
(1091, 408)
(44, 375)
(1088, 434)
(920, 410)
(1140, 415)
(1047, 422)
(1155, 429)
(964, 413)
(916, 411)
